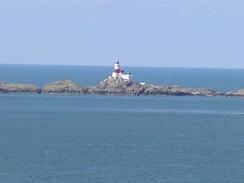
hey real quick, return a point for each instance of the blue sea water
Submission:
(108, 139)
(218, 79)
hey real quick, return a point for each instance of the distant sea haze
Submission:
(217, 79)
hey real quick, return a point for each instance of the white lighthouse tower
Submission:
(117, 68)
(118, 73)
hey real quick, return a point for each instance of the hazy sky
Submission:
(166, 33)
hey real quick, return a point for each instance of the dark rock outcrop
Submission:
(63, 87)
(111, 86)
(175, 90)
(239, 93)
(18, 88)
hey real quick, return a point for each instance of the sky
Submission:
(155, 33)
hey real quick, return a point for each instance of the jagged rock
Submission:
(178, 90)
(116, 83)
(239, 93)
(96, 90)
(6, 87)
(64, 87)
(112, 86)
(175, 90)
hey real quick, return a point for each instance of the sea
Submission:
(121, 139)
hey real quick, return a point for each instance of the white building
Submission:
(118, 73)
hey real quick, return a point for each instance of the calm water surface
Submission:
(102, 139)
(66, 139)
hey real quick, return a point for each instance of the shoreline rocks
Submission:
(111, 86)
(236, 93)
(63, 87)
(18, 88)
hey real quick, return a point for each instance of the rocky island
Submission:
(63, 87)
(119, 83)
(109, 86)
(112, 86)
(238, 93)
(6, 87)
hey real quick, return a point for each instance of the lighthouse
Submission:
(117, 68)
(118, 73)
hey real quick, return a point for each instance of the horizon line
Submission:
(143, 66)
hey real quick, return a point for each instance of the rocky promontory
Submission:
(112, 86)
(63, 87)
(238, 93)
(6, 87)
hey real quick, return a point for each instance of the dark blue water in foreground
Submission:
(102, 139)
